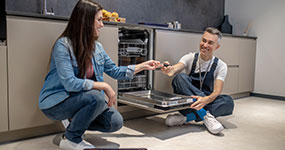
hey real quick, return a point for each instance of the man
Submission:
(204, 82)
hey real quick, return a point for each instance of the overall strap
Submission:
(194, 63)
(214, 65)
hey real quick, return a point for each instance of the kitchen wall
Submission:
(193, 14)
(266, 19)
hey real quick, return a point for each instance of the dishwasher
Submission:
(136, 46)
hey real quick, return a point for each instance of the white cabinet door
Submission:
(3, 90)
(247, 54)
(171, 46)
(231, 82)
(229, 53)
(29, 46)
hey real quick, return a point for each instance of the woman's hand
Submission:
(147, 65)
(200, 103)
(110, 93)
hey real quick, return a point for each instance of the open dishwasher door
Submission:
(156, 101)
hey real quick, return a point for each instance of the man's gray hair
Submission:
(215, 31)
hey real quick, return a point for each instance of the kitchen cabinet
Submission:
(229, 53)
(171, 46)
(29, 44)
(3, 89)
(239, 55)
(231, 82)
(247, 54)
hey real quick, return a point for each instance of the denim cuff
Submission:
(130, 71)
(88, 84)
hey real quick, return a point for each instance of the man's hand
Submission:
(167, 69)
(200, 103)
(172, 70)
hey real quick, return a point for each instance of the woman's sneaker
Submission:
(212, 124)
(65, 144)
(175, 120)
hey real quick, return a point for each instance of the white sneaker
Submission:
(65, 123)
(213, 125)
(175, 120)
(65, 144)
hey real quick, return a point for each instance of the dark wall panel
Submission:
(2, 20)
(193, 14)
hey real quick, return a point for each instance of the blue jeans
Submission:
(223, 105)
(89, 111)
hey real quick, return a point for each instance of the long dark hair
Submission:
(81, 32)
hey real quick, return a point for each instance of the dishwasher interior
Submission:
(136, 46)
(134, 49)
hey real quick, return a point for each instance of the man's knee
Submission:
(229, 102)
(228, 105)
(180, 78)
(222, 106)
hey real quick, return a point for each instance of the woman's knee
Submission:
(94, 97)
(116, 122)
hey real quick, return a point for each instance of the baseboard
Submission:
(268, 96)
(240, 95)
(22, 134)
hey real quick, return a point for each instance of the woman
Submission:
(74, 87)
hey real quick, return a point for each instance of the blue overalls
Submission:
(190, 85)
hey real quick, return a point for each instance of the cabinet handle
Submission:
(233, 66)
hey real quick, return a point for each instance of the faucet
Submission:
(45, 11)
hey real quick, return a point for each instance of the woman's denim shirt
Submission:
(63, 75)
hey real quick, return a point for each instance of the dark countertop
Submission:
(64, 18)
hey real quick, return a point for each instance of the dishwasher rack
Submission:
(133, 47)
(138, 81)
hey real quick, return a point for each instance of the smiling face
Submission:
(98, 23)
(208, 44)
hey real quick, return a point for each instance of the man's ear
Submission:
(218, 46)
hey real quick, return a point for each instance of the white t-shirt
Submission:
(219, 73)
